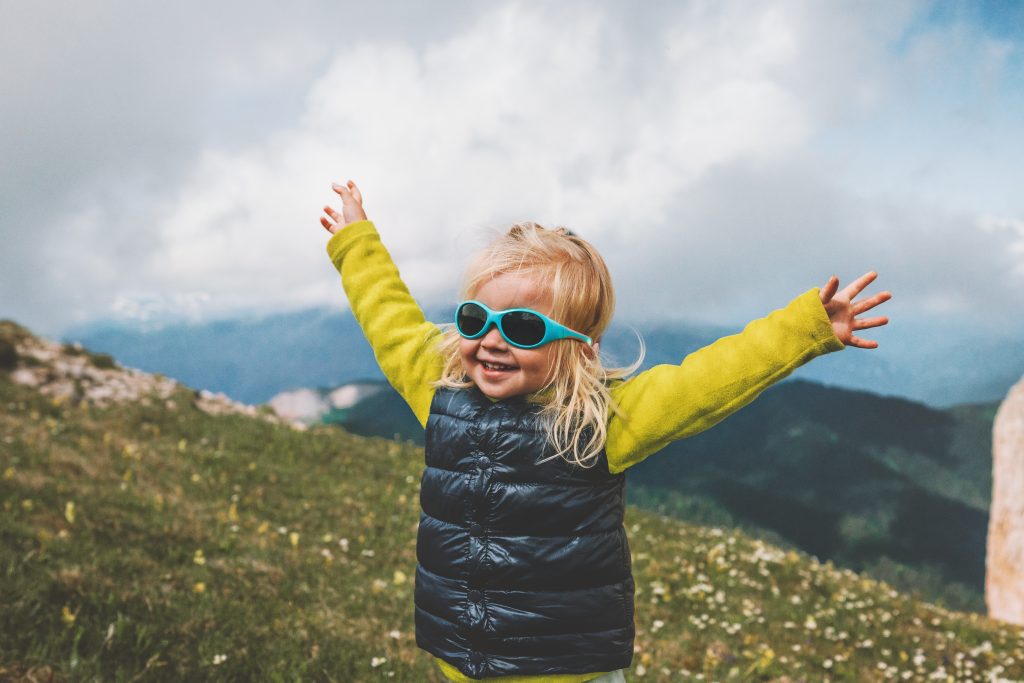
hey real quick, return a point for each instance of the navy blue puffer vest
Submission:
(523, 568)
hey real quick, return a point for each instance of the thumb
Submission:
(829, 290)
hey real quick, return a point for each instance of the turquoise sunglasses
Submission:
(521, 327)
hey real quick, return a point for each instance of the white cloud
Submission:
(525, 115)
(685, 140)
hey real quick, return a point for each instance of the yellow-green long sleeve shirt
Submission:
(661, 405)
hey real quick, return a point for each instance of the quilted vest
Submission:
(522, 568)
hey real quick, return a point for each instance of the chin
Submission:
(497, 391)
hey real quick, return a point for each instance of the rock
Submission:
(1004, 562)
(307, 406)
(69, 371)
(348, 395)
(26, 377)
(300, 405)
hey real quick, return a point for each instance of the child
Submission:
(523, 564)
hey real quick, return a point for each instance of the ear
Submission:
(591, 351)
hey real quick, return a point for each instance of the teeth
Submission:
(492, 366)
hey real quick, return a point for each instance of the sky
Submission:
(170, 161)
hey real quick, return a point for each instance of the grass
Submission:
(151, 541)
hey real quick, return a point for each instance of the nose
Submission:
(493, 339)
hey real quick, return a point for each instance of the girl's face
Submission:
(499, 369)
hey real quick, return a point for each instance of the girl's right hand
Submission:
(351, 208)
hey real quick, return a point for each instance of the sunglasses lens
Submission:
(470, 319)
(523, 328)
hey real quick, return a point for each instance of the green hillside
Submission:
(151, 540)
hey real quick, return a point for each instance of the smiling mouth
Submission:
(497, 366)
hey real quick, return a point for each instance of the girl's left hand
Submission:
(351, 208)
(843, 312)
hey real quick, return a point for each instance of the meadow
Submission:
(152, 541)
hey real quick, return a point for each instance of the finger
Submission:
(327, 225)
(870, 322)
(863, 343)
(829, 290)
(855, 287)
(332, 213)
(355, 192)
(868, 304)
(341, 190)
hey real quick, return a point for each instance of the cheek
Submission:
(467, 349)
(540, 363)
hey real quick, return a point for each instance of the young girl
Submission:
(523, 566)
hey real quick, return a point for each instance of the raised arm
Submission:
(671, 402)
(401, 337)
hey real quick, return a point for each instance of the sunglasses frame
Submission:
(553, 331)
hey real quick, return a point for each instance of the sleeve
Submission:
(402, 339)
(671, 402)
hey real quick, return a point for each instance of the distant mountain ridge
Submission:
(249, 359)
(874, 483)
(254, 358)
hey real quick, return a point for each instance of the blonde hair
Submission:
(576, 399)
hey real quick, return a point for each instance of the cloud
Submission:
(108, 108)
(694, 144)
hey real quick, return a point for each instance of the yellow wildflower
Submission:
(198, 558)
(399, 577)
(233, 512)
(182, 445)
(69, 512)
(294, 538)
(262, 529)
(67, 616)
(199, 587)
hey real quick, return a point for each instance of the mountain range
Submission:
(252, 359)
